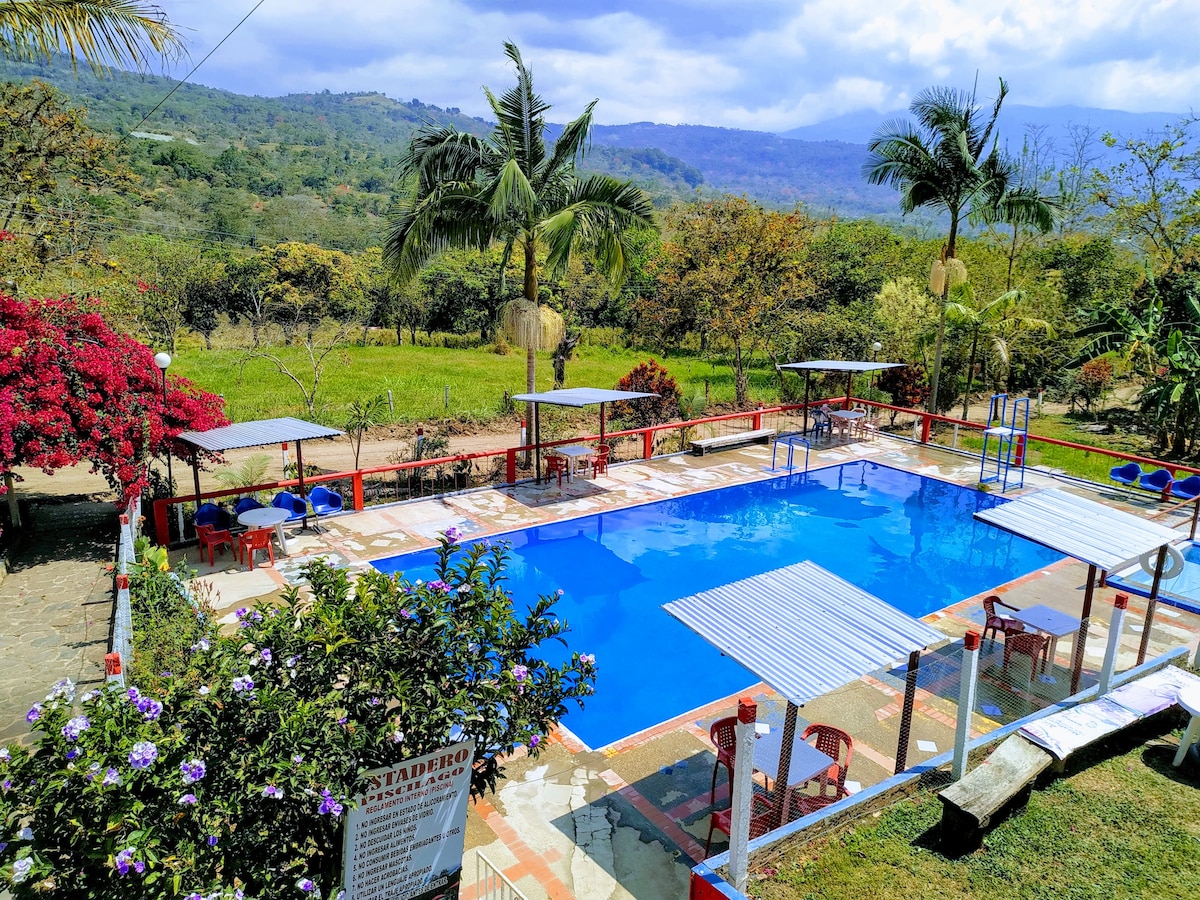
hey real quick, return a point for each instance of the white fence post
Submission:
(1115, 627)
(966, 703)
(742, 789)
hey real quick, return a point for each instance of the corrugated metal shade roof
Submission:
(802, 629)
(257, 434)
(838, 365)
(1084, 529)
(580, 396)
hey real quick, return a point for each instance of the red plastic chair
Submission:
(258, 539)
(762, 811)
(600, 460)
(556, 463)
(1027, 644)
(831, 784)
(996, 622)
(723, 734)
(214, 540)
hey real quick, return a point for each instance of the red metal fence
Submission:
(446, 474)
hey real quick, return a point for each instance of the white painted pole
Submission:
(1115, 627)
(966, 702)
(742, 787)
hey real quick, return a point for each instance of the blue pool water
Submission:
(908, 539)
(1182, 591)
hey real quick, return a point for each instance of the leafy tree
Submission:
(651, 378)
(949, 161)
(72, 389)
(993, 321)
(238, 769)
(364, 415)
(908, 386)
(466, 191)
(907, 314)
(165, 282)
(739, 269)
(123, 32)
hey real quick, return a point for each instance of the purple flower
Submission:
(134, 694)
(143, 754)
(306, 885)
(89, 696)
(397, 736)
(21, 869)
(473, 647)
(273, 792)
(298, 758)
(151, 709)
(329, 806)
(193, 770)
(290, 662)
(485, 544)
(559, 592)
(200, 645)
(452, 535)
(194, 895)
(212, 840)
(534, 741)
(342, 720)
(111, 777)
(5, 755)
(405, 614)
(520, 672)
(375, 701)
(6, 784)
(187, 800)
(75, 727)
(35, 713)
(243, 683)
(139, 867)
(439, 585)
(241, 612)
(589, 658)
(123, 859)
(265, 653)
(73, 753)
(204, 690)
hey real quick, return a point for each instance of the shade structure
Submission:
(1105, 538)
(802, 629)
(257, 434)
(578, 398)
(850, 367)
(1091, 532)
(805, 631)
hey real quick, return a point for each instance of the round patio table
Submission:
(267, 517)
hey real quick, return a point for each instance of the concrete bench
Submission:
(1002, 781)
(701, 446)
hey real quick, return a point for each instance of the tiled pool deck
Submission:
(630, 820)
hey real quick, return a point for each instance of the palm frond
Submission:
(510, 195)
(449, 216)
(572, 144)
(125, 33)
(599, 213)
(520, 112)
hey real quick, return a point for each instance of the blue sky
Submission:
(768, 65)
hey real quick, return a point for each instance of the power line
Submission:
(195, 68)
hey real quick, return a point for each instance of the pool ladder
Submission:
(791, 440)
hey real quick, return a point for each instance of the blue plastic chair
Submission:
(1127, 474)
(1159, 480)
(296, 507)
(246, 503)
(1186, 488)
(211, 514)
(821, 422)
(324, 501)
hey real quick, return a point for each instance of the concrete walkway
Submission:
(55, 607)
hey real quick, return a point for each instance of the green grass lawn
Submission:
(1122, 826)
(418, 376)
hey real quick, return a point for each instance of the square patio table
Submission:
(846, 416)
(807, 762)
(574, 453)
(1049, 622)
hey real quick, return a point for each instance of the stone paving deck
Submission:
(55, 606)
(629, 820)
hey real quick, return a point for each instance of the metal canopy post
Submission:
(1152, 604)
(537, 443)
(849, 387)
(300, 475)
(1084, 622)
(807, 379)
(602, 424)
(782, 788)
(196, 482)
(910, 697)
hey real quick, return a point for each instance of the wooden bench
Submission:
(724, 441)
(1002, 781)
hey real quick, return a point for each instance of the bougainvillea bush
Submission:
(72, 389)
(236, 772)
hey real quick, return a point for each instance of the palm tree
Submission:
(466, 191)
(993, 321)
(950, 161)
(121, 32)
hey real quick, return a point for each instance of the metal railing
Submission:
(120, 645)
(491, 883)
(446, 474)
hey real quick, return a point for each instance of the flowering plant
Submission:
(235, 773)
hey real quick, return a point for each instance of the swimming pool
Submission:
(908, 539)
(1182, 591)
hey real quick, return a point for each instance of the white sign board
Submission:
(404, 837)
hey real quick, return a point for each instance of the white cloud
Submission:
(765, 65)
